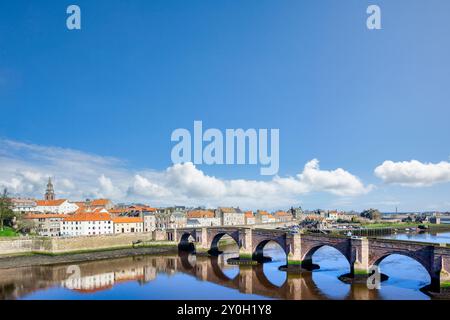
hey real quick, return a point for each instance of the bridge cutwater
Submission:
(361, 253)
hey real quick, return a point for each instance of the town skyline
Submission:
(145, 200)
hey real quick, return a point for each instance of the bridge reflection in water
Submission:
(98, 276)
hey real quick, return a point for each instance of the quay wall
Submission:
(12, 246)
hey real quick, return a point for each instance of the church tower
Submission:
(49, 193)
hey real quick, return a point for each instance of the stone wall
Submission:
(59, 245)
(15, 245)
(9, 246)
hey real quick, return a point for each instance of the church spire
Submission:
(49, 192)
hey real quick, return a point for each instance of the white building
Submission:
(149, 222)
(87, 224)
(88, 284)
(249, 218)
(202, 218)
(61, 206)
(23, 205)
(128, 224)
(230, 216)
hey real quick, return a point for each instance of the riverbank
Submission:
(382, 229)
(41, 259)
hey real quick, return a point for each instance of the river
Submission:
(185, 276)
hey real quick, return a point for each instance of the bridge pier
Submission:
(246, 256)
(359, 257)
(294, 255)
(294, 249)
(202, 240)
(440, 277)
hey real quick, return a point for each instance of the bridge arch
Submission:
(377, 261)
(258, 252)
(214, 247)
(307, 258)
(187, 241)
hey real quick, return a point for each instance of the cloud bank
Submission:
(24, 169)
(413, 173)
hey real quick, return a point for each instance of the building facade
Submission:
(282, 216)
(128, 225)
(47, 225)
(23, 205)
(87, 224)
(149, 221)
(249, 218)
(61, 206)
(230, 216)
(202, 218)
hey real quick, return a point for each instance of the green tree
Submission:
(24, 226)
(372, 214)
(6, 211)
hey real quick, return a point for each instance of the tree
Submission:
(6, 211)
(372, 214)
(25, 226)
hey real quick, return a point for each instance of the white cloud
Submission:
(24, 169)
(144, 187)
(413, 173)
(107, 188)
(337, 181)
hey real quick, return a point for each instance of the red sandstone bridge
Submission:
(361, 253)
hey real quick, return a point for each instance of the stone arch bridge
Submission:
(361, 253)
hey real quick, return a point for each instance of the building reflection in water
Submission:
(96, 276)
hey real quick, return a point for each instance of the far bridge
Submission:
(361, 253)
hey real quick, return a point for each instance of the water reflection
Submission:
(332, 264)
(186, 276)
(443, 237)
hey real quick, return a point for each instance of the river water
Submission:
(184, 276)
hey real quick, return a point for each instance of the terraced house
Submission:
(128, 224)
(47, 225)
(202, 218)
(86, 223)
(230, 216)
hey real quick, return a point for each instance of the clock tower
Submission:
(49, 192)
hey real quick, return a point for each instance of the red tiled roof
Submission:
(227, 210)
(282, 213)
(50, 203)
(128, 220)
(45, 216)
(100, 202)
(89, 216)
(142, 208)
(200, 214)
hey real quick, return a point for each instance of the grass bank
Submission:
(392, 225)
(8, 232)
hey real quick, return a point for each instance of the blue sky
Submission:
(350, 97)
